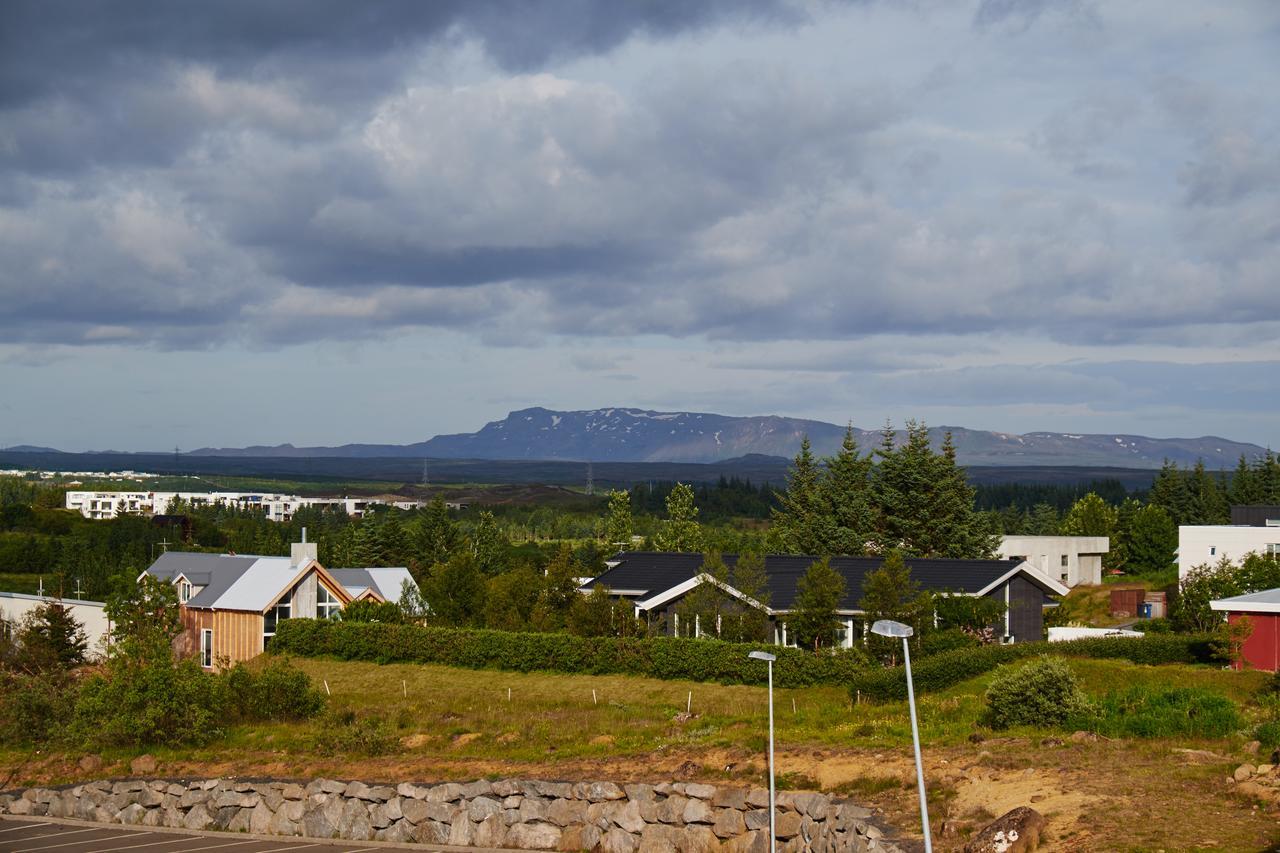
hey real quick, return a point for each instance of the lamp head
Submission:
(889, 628)
(762, 656)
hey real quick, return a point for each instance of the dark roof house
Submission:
(656, 581)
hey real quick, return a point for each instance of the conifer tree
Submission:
(813, 621)
(436, 535)
(749, 578)
(1245, 488)
(489, 545)
(1209, 505)
(1171, 491)
(798, 525)
(889, 592)
(1152, 541)
(845, 498)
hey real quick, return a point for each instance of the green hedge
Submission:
(659, 657)
(947, 668)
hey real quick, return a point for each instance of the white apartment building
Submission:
(1071, 560)
(1205, 545)
(274, 506)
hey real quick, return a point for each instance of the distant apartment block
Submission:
(1071, 560)
(273, 506)
(1205, 545)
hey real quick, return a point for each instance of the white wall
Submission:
(1200, 545)
(1083, 556)
(14, 607)
(276, 507)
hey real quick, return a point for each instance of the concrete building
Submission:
(1206, 545)
(14, 607)
(1070, 560)
(276, 507)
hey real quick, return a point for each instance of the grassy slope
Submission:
(460, 724)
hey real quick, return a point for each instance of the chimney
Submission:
(303, 552)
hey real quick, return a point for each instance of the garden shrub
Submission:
(949, 668)
(945, 640)
(1170, 712)
(1041, 693)
(345, 731)
(162, 702)
(657, 657)
(276, 691)
(1268, 734)
(35, 708)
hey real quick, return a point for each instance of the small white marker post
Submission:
(405, 687)
(793, 706)
(594, 701)
(326, 688)
(688, 708)
(508, 694)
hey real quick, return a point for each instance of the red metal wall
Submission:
(1262, 649)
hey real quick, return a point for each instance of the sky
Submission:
(320, 222)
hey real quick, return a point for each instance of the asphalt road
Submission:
(19, 835)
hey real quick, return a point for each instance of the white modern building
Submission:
(1205, 545)
(1071, 560)
(276, 507)
(14, 607)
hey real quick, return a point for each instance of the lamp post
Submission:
(768, 658)
(889, 628)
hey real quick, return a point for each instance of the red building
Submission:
(1262, 649)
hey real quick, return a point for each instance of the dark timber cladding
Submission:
(650, 579)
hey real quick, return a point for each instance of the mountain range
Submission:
(638, 435)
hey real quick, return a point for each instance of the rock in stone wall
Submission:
(522, 814)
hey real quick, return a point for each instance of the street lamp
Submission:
(889, 628)
(768, 658)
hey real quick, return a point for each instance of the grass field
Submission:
(461, 724)
(29, 584)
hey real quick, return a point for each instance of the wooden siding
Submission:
(237, 635)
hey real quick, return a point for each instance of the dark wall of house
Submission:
(1026, 609)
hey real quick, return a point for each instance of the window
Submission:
(184, 591)
(1213, 550)
(1273, 550)
(1064, 561)
(272, 617)
(326, 604)
(206, 648)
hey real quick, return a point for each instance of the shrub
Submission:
(1042, 693)
(1268, 734)
(946, 640)
(1171, 712)
(160, 702)
(372, 611)
(276, 691)
(943, 670)
(659, 657)
(347, 732)
(35, 708)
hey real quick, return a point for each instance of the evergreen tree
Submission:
(707, 602)
(800, 525)
(1267, 473)
(49, 638)
(391, 540)
(436, 535)
(1118, 555)
(681, 531)
(559, 591)
(365, 551)
(890, 593)
(1044, 520)
(1152, 541)
(1089, 516)
(1171, 491)
(1246, 486)
(845, 502)
(619, 525)
(813, 621)
(1208, 504)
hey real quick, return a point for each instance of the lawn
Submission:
(455, 723)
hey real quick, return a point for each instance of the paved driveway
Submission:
(19, 835)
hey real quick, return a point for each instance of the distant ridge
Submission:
(640, 435)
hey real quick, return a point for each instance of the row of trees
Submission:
(906, 497)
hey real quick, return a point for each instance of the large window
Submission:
(206, 648)
(184, 591)
(326, 605)
(273, 617)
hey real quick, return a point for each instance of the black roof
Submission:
(655, 572)
(1254, 515)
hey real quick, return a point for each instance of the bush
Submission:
(1172, 712)
(948, 668)
(161, 703)
(1042, 693)
(659, 657)
(946, 640)
(372, 611)
(346, 732)
(276, 691)
(35, 708)
(1268, 734)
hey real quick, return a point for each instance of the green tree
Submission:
(1246, 486)
(802, 525)
(1089, 516)
(489, 546)
(436, 536)
(559, 591)
(1044, 520)
(1190, 610)
(1208, 503)
(1151, 541)
(845, 500)
(1172, 491)
(890, 592)
(813, 621)
(49, 638)
(680, 531)
(619, 524)
(510, 599)
(455, 590)
(144, 618)
(749, 624)
(706, 604)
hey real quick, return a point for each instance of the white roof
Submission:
(1267, 601)
(262, 583)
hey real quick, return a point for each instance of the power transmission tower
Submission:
(426, 480)
(591, 489)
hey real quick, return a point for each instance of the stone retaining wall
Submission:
(681, 817)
